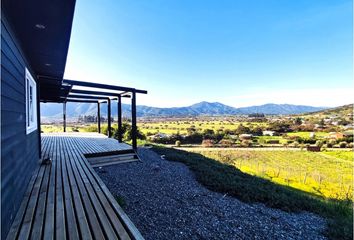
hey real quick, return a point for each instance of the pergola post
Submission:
(134, 129)
(109, 117)
(64, 116)
(98, 118)
(119, 113)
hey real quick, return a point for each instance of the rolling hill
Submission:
(341, 110)
(199, 109)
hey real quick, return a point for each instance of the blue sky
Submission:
(236, 52)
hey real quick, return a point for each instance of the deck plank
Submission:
(66, 199)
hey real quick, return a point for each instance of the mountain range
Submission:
(53, 110)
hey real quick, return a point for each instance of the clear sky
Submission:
(238, 52)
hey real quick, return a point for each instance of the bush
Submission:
(319, 143)
(329, 145)
(350, 145)
(246, 143)
(75, 129)
(208, 143)
(226, 142)
(332, 142)
(126, 132)
(343, 144)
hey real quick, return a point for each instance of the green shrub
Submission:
(343, 144)
(319, 143)
(246, 143)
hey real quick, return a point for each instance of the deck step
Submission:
(112, 159)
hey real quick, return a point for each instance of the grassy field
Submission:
(291, 181)
(345, 155)
(51, 128)
(307, 134)
(327, 174)
(173, 127)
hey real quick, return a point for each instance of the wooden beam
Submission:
(109, 129)
(85, 97)
(81, 101)
(119, 113)
(64, 116)
(134, 128)
(104, 86)
(98, 117)
(111, 94)
(39, 120)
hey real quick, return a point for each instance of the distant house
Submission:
(335, 135)
(159, 136)
(245, 136)
(268, 133)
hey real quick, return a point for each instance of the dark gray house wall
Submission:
(19, 151)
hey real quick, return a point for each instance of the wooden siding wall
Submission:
(19, 152)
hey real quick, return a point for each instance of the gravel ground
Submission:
(164, 201)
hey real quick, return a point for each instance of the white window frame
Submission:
(31, 103)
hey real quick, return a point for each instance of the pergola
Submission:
(88, 92)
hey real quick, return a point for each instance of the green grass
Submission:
(311, 172)
(307, 134)
(264, 139)
(345, 155)
(223, 176)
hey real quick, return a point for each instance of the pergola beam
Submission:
(111, 94)
(86, 97)
(104, 86)
(64, 116)
(98, 117)
(81, 101)
(119, 113)
(109, 129)
(67, 94)
(134, 128)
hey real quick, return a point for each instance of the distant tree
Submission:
(191, 130)
(298, 121)
(127, 132)
(242, 129)
(256, 115)
(281, 127)
(258, 131)
(208, 132)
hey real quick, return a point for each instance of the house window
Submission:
(31, 103)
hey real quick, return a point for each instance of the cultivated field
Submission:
(181, 127)
(326, 174)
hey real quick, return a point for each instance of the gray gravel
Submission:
(164, 201)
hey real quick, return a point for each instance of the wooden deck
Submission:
(66, 199)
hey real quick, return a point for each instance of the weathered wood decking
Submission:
(66, 199)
